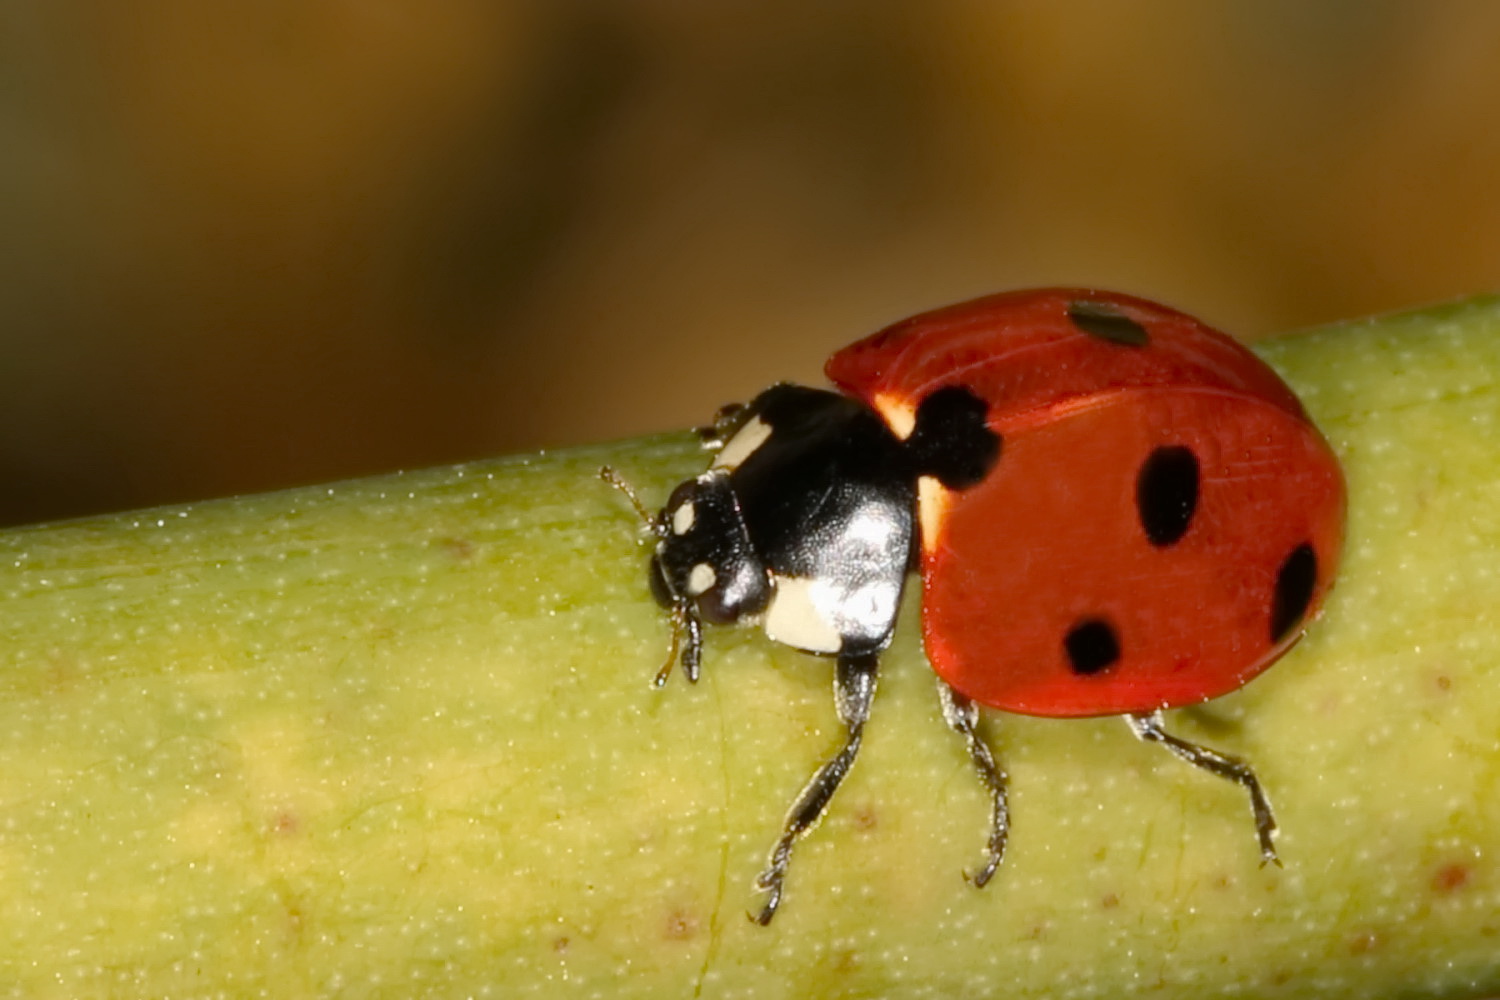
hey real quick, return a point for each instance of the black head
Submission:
(704, 554)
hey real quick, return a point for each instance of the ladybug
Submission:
(1114, 508)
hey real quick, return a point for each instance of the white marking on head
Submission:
(700, 578)
(683, 518)
(798, 616)
(744, 443)
(932, 503)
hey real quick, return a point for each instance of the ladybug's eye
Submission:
(658, 582)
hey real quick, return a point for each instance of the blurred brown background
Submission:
(249, 245)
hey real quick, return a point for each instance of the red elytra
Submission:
(1085, 387)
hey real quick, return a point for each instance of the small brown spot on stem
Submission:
(62, 672)
(1452, 877)
(681, 925)
(459, 549)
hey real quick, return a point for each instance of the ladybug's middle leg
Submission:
(963, 716)
(853, 690)
(1149, 728)
(729, 419)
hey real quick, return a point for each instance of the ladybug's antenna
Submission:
(687, 630)
(613, 478)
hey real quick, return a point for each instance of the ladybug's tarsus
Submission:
(692, 649)
(1148, 727)
(686, 645)
(962, 715)
(853, 691)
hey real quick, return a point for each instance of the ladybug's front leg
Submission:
(963, 716)
(1149, 728)
(686, 645)
(853, 691)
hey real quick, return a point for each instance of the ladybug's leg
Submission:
(963, 715)
(692, 649)
(1148, 727)
(687, 637)
(853, 690)
(728, 419)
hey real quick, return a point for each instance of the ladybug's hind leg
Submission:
(854, 690)
(1148, 727)
(963, 716)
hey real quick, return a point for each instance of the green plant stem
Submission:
(397, 737)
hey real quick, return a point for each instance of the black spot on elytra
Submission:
(950, 440)
(1166, 494)
(1294, 590)
(1092, 646)
(1104, 321)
